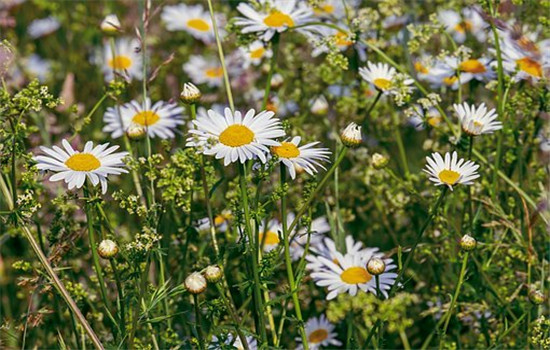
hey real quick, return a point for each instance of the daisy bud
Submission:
(110, 25)
(136, 132)
(190, 94)
(213, 273)
(376, 266)
(536, 296)
(277, 81)
(195, 283)
(468, 243)
(107, 249)
(351, 135)
(379, 161)
(319, 106)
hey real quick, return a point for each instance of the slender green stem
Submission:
(401, 147)
(121, 303)
(371, 107)
(233, 315)
(470, 190)
(418, 239)
(198, 326)
(222, 59)
(288, 262)
(272, 65)
(404, 339)
(447, 316)
(254, 253)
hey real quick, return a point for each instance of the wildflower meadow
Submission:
(274, 174)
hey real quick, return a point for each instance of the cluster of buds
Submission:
(196, 282)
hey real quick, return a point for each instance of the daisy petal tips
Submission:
(235, 137)
(450, 170)
(477, 121)
(94, 163)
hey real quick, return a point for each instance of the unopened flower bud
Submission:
(379, 161)
(195, 283)
(319, 106)
(136, 132)
(277, 81)
(351, 135)
(376, 266)
(110, 25)
(190, 94)
(107, 249)
(468, 243)
(536, 296)
(213, 273)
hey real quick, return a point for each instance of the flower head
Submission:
(110, 24)
(203, 71)
(126, 60)
(477, 121)
(107, 249)
(195, 283)
(450, 171)
(320, 332)
(190, 93)
(351, 135)
(192, 19)
(94, 163)
(306, 157)
(234, 137)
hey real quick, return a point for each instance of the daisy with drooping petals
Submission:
(458, 25)
(477, 121)
(234, 137)
(305, 157)
(275, 16)
(450, 171)
(522, 64)
(193, 19)
(320, 332)
(42, 27)
(202, 71)
(160, 119)
(254, 53)
(382, 76)
(126, 61)
(350, 274)
(94, 163)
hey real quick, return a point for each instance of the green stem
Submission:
(222, 59)
(401, 148)
(272, 64)
(470, 190)
(254, 253)
(288, 262)
(455, 297)
(371, 107)
(200, 335)
(233, 315)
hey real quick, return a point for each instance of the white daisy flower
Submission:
(477, 121)
(381, 75)
(521, 63)
(221, 222)
(192, 19)
(254, 53)
(126, 62)
(305, 157)
(350, 274)
(450, 171)
(275, 16)
(342, 40)
(202, 71)
(160, 119)
(235, 342)
(318, 227)
(42, 27)
(458, 25)
(94, 163)
(38, 67)
(234, 137)
(326, 248)
(320, 332)
(479, 69)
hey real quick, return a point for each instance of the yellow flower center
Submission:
(323, 9)
(477, 124)
(286, 150)
(258, 53)
(530, 66)
(462, 27)
(434, 121)
(214, 72)
(120, 62)
(198, 24)
(355, 275)
(382, 84)
(83, 162)
(236, 135)
(342, 39)
(449, 177)
(317, 336)
(146, 118)
(420, 68)
(278, 19)
(270, 238)
(472, 66)
(450, 80)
